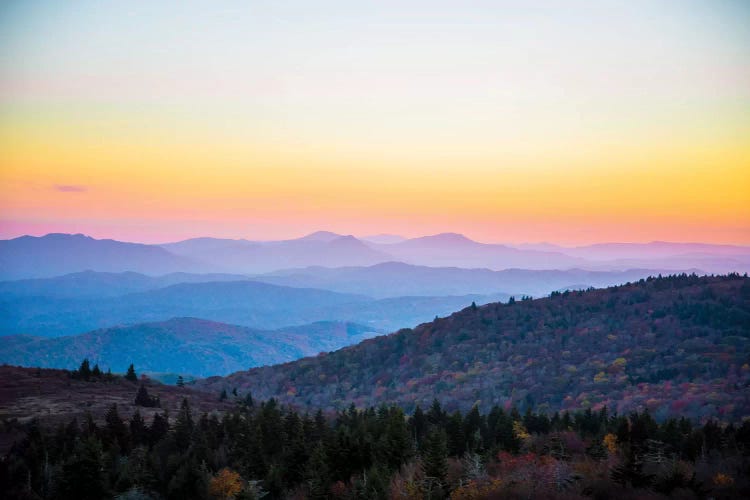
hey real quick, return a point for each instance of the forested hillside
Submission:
(674, 345)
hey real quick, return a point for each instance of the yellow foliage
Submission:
(610, 442)
(619, 363)
(600, 378)
(520, 431)
(225, 485)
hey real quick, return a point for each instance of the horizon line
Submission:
(405, 238)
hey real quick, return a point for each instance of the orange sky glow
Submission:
(595, 138)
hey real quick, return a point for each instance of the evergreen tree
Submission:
(83, 474)
(84, 371)
(455, 433)
(435, 415)
(138, 429)
(317, 474)
(159, 428)
(131, 375)
(115, 431)
(435, 457)
(418, 425)
(180, 381)
(143, 398)
(394, 446)
(183, 427)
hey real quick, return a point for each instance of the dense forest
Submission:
(267, 450)
(677, 345)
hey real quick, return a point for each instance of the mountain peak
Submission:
(447, 238)
(62, 236)
(321, 236)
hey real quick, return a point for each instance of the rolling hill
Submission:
(675, 345)
(187, 346)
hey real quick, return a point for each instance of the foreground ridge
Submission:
(675, 345)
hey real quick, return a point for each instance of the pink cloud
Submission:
(70, 188)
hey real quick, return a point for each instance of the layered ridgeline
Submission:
(57, 254)
(43, 307)
(394, 279)
(186, 346)
(676, 346)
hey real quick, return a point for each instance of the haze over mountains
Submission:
(72, 285)
(54, 307)
(57, 254)
(186, 346)
(393, 279)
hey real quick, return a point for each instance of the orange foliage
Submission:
(225, 485)
(610, 442)
(721, 479)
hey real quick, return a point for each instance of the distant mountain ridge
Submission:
(242, 302)
(321, 248)
(93, 284)
(57, 254)
(675, 345)
(188, 346)
(393, 279)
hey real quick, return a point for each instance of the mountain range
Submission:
(241, 302)
(57, 254)
(393, 279)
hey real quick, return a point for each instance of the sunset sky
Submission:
(570, 121)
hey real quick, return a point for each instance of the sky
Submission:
(509, 121)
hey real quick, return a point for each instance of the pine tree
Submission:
(180, 381)
(143, 398)
(418, 425)
(84, 371)
(435, 458)
(130, 375)
(159, 427)
(317, 474)
(83, 475)
(183, 427)
(435, 415)
(138, 429)
(115, 431)
(96, 372)
(455, 432)
(394, 445)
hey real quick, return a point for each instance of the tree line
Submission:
(270, 451)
